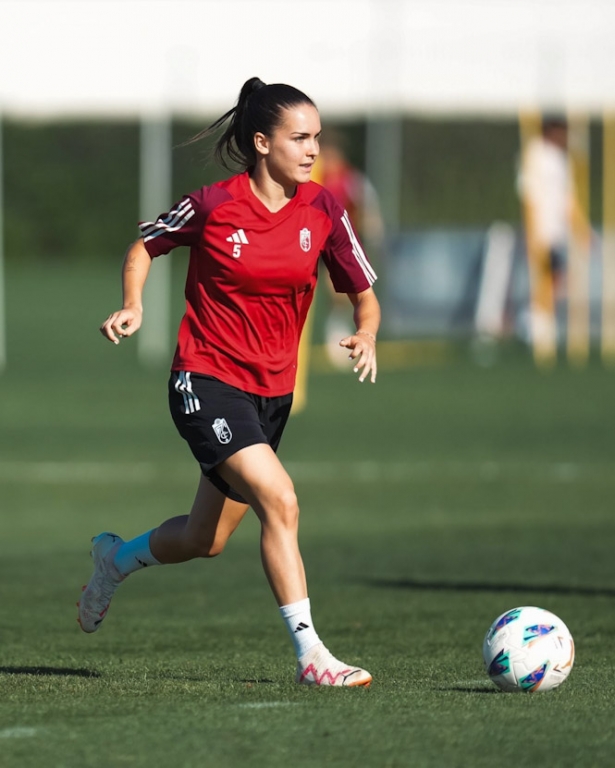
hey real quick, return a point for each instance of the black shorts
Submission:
(217, 420)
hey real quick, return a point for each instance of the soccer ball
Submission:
(528, 649)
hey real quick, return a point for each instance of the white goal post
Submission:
(154, 337)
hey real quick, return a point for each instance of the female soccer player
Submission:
(255, 241)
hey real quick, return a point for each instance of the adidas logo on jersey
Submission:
(238, 239)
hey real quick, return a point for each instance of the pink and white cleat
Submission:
(319, 667)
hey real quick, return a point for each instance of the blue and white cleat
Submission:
(97, 595)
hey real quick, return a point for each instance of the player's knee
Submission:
(287, 508)
(213, 551)
(205, 547)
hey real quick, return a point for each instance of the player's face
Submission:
(293, 148)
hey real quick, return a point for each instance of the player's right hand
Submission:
(121, 324)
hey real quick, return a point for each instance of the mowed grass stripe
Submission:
(70, 472)
(19, 733)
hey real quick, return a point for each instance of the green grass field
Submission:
(431, 503)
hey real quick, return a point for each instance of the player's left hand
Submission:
(362, 348)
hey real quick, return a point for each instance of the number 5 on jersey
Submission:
(238, 239)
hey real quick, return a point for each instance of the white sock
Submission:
(134, 555)
(298, 619)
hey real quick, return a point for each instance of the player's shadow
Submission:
(455, 586)
(49, 671)
(249, 681)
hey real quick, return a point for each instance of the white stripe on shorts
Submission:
(183, 385)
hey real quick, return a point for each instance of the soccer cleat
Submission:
(97, 595)
(319, 667)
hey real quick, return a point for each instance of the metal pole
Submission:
(154, 339)
(2, 286)
(384, 156)
(384, 139)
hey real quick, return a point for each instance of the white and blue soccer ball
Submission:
(528, 649)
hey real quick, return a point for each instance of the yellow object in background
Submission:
(579, 244)
(303, 365)
(608, 241)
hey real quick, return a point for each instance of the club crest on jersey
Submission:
(222, 430)
(305, 239)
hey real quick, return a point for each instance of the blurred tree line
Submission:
(71, 188)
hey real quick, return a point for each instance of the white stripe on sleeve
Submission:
(358, 252)
(172, 222)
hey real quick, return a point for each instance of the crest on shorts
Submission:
(222, 430)
(305, 239)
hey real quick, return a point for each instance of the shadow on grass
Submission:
(249, 681)
(49, 671)
(471, 689)
(454, 586)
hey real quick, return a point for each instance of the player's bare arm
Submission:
(362, 344)
(127, 320)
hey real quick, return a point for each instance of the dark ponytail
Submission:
(258, 110)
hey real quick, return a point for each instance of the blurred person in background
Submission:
(357, 196)
(552, 215)
(256, 240)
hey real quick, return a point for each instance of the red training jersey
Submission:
(251, 277)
